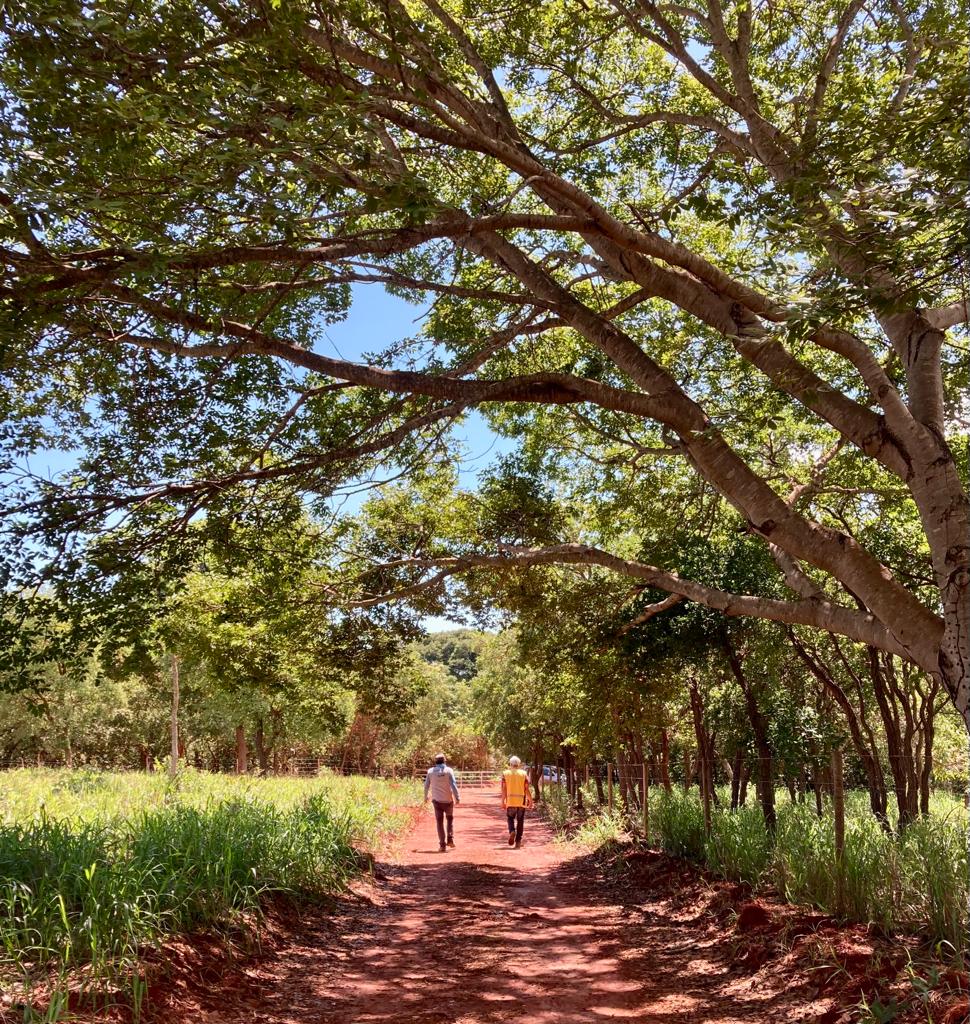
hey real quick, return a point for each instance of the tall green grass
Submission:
(96, 868)
(916, 881)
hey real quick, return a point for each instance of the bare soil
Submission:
(486, 934)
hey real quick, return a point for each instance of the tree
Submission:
(677, 222)
(440, 716)
(457, 650)
(78, 716)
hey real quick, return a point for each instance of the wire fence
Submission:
(305, 766)
(607, 775)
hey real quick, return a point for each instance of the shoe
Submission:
(511, 838)
(441, 849)
(451, 843)
(518, 845)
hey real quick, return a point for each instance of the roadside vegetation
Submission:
(96, 868)
(915, 881)
(245, 706)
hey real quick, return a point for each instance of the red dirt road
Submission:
(485, 934)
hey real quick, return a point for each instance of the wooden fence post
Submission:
(838, 806)
(645, 802)
(609, 784)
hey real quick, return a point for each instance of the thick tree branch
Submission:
(855, 625)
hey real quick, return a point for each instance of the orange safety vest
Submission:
(516, 787)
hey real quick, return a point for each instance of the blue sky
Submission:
(376, 320)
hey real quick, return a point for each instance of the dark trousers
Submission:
(516, 816)
(444, 810)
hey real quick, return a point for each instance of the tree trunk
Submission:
(276, 718)
(624, 779)
(705, 752)
(737, 766)
(929, 734)
(259, 741)
(537, 767)
(865, 749)
(838, 808)
(689, 770)
(818, 778)
(898, 740)
(743, 789)
(665, 761)
(242, 754)
(759, 728)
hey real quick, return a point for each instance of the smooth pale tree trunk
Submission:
(173, 765)
(242, 754)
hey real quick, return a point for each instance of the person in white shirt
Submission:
(440, 783)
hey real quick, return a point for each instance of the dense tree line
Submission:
(79, 715)
(591, 674)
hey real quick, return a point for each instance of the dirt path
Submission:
(485, 934)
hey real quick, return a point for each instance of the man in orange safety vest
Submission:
(516, 797)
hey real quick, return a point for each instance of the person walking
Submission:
(516, 798)
(441, 784)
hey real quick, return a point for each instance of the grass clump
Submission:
(94, 869)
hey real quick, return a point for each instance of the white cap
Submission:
(514, 761)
